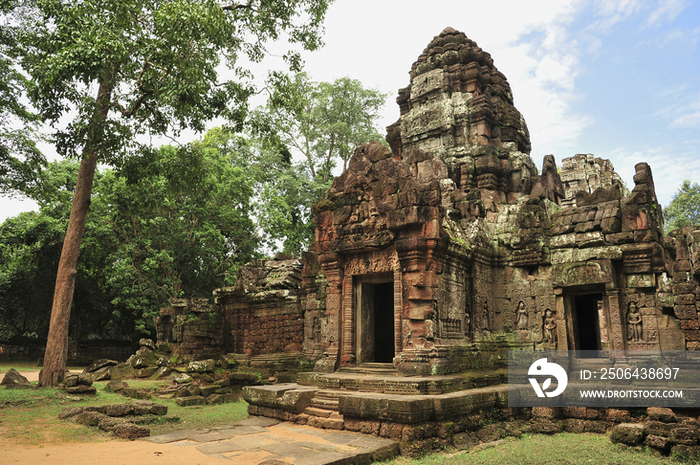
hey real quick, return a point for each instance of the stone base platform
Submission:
(366, 395)
(372, 381)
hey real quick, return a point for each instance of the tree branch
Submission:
(239, 6)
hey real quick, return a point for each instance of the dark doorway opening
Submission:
(376, 322)
(384, 322)
(586, 322)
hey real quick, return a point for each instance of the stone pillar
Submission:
(332, 268)
(398, 313)
(347, 355)
(616, 329)
(560, 317)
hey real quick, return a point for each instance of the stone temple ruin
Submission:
(434, 257)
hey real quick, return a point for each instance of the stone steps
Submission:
(323, 410)
(327, 408)
(319, 412)
(324, 403)
(371, 368)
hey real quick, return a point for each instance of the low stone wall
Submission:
(270, 322)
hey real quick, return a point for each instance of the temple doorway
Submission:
(585, 326)
(375, 320)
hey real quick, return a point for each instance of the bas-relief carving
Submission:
(521, 317)
(485, 316)
(549, 327)
(635, 328)
(372, 262)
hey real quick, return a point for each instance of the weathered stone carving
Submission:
(521, 317)
(634, 323)
(549, 327)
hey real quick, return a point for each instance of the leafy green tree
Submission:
(30, 248)
(20, 160)
(30, 245)
(181, 225)
(131, 67)
(287, 193)
(174, 222)
(322, 123)
(684, 209)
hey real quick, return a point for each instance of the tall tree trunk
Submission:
(56, 355)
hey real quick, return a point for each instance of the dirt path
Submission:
(106, 453)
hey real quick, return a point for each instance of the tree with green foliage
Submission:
(30, 246)
(128, 68)
(20, 160)
(181, 225)
(684, 209)
(321, 122)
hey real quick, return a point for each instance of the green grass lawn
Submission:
(31, 416)
(559, 449)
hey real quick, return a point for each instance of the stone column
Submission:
(347, 331)
(616, 329)
(560, 317)
(332, 268)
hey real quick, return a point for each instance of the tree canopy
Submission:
(305, 130)
(684, 209)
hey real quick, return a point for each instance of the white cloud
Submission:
(615, 11)
(667, 10)
(691, 119)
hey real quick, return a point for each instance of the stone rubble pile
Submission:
(195, 382)
(125, 421)
(664, 432)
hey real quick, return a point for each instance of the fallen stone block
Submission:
(121, 371)
(116, 385)
(191, 400)
(13, 377)
(215, 399)
(686, 436)
(145, 372)
(100, 364)
(89, 418)
(658, 442)
(664, 415)
(683, 452)
(547, 427)
(201, 366)
(628, 433)
(130, 431)
(82, 390)
(69, 412)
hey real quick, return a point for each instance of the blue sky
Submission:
(618, 78)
